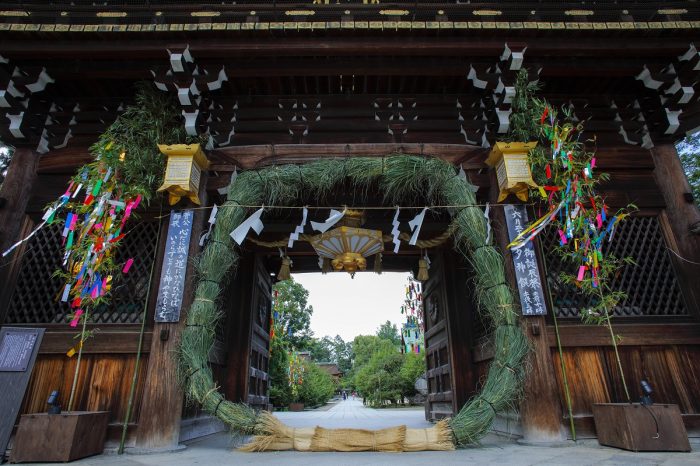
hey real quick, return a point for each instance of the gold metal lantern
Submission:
(512, 168)
(348, 246)
(183, 171)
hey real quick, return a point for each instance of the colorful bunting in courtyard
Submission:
(412, 328)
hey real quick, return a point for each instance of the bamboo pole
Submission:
(562, 363)
(77, 364)
(608, 323)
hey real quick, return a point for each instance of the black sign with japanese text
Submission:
(172, 277)
(18, 350)
(527, 272)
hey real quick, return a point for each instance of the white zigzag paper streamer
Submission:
(416, 225)
(298, 230)
(253, 222)
(212, 221)
(488, 223)
(332, 219)
(463, 176)
(395, 231)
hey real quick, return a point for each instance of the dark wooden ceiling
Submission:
(352, 85)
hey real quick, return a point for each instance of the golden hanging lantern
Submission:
(183, 171)
(348, 246)
(512, 168)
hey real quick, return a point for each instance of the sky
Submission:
(349, 307)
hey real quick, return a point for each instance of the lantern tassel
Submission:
(285, 268)
(378, 264)
(326, 266)
(422, 270)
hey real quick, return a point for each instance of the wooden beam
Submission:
(107, 341)
(646, 334)
(359, 46)
(271, 154)
(64, 160)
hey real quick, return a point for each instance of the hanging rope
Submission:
(421, 244)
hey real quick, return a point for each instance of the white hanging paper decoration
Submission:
(334, 217)
(212, 221)
(225, 189)
(298, 230)
(463, 176)
(395, 231)
(488, 223)
(416, 225)
(253, 222)
(519, 242)
(44, 219)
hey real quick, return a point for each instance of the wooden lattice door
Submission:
(259, 360)
(437, 342)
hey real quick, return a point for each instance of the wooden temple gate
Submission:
(358, 79)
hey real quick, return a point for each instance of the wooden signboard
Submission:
(172, 277)
(18, 350)
(527, 272)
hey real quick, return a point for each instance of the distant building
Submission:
(332, 369)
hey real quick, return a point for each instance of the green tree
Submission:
(317, 386)
(388, 331)
(280, 391)
(365, 346)
(379, 381)
(412, 368)
(689, 153)
(293, 318)
(322, 349)
(342, 353)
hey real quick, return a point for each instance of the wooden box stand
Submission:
(632, 426)
(60, 437)
(296, 407)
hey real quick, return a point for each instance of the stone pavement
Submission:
(219, 449)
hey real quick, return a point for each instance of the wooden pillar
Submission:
(15, 193)
(540, 408)
(14, 196)
(161, 406)
(680, 214)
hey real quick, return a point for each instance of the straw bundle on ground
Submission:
(436, 438)
(403, 180)
(279, 437)
(387, 440)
